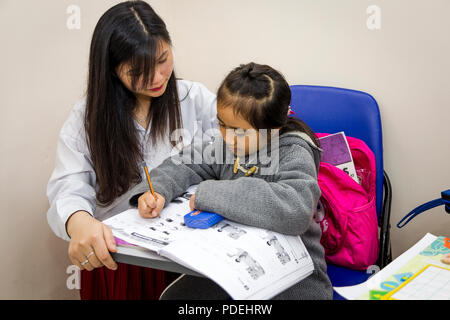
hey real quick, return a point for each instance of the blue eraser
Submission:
(201, 219)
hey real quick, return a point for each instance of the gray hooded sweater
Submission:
(282, 196)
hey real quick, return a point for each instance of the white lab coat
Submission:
(72, 184)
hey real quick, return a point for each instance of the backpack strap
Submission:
(444, 200)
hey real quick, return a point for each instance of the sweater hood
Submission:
(303, 140)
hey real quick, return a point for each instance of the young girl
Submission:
(279, 195)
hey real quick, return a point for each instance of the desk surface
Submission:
(146, 258)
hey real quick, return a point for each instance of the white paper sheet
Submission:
(155, 233)
(249, 263)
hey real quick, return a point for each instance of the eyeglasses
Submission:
(239, 132)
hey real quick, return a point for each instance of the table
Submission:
(146, 258)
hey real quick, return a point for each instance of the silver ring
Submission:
(84, 262)
(90, 254)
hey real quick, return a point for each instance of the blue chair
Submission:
(330, 110)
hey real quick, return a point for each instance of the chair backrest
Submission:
(330, 110)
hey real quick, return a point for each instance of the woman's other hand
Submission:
(90, 242)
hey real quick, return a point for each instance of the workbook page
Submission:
(154, 233)
(247, 262)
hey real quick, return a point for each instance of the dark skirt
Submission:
(128, 282)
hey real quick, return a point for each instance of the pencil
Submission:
(149, 181)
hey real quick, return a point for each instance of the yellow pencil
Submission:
(149, 181)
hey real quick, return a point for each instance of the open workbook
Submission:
(247, 262)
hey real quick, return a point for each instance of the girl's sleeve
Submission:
(70, 187)
(284, 205)
(177, 173)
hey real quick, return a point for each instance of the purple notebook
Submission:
(337, 153)
(335, 149)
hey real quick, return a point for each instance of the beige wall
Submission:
(404, 65)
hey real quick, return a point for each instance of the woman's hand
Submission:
(90, 240)
(148, 207)
(446, 258)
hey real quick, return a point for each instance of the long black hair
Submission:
(129, 32)
(261, 95)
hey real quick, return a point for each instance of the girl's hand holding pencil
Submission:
(150, 203)
(148, 206)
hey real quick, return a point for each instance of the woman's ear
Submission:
(117, 71)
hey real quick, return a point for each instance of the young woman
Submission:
(132, 105)
(271, 184)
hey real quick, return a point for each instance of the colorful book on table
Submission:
(424, 277)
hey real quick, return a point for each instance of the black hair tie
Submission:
(249, 74)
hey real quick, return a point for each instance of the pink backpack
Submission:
(348, 216)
